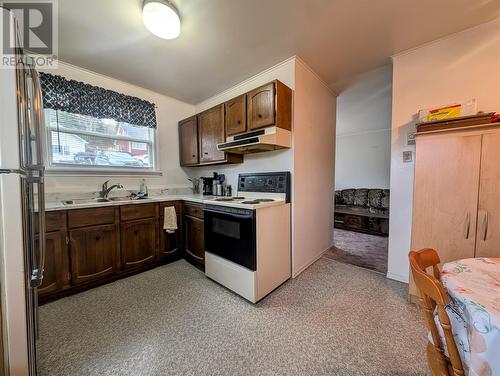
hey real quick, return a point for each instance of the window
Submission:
(89, 127)
(81, 141)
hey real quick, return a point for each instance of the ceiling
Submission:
(224, 42)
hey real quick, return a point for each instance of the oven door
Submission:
(230, 234)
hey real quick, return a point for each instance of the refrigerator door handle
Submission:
(7, 171)
(39, 121)
(38, 179)
(37, 270)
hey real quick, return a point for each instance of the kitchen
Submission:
(106, 211)
(167, 186)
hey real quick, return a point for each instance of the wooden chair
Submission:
(433, 297)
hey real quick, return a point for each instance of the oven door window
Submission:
(231, 237)
(224, 227)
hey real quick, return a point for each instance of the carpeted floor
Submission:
(334, 319)
(364, 250)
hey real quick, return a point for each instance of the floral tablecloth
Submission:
(473, 286)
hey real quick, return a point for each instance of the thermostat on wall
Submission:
(410, 139)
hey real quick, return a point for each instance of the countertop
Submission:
(200, 199)
(58, 205)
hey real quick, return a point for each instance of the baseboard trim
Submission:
(309, 263)
(397, 277)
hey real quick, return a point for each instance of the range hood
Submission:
(267, 139)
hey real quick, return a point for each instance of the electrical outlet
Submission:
(407, 156)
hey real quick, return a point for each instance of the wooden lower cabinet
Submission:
(194, 241)
(56, 271)
(170, 244)
(93, 253)
(456, 209)
(138, 243)
(86, 248)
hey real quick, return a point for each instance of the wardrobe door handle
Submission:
(467, 226)
(485, 226)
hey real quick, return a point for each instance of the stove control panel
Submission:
(271, 182)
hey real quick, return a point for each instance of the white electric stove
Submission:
(248, 237)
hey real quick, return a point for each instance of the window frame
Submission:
(53, 168)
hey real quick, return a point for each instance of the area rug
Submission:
(364, 250)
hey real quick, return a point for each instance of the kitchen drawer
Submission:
(54, 221)
(193, 210)
(91, 217)
(133, 212)
(177, 204)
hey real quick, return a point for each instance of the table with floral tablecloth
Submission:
(473, 286)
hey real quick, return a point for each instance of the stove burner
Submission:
(229, 199)
(257, 201)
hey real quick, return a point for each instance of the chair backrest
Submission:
(433, 297)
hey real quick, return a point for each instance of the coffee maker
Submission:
(208, 184)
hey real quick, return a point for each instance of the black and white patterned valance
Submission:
(84, 99)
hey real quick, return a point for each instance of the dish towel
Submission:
(170, 220)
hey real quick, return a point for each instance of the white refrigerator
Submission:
(21, 195)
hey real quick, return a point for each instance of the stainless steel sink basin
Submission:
(128, 198)
(84, 201)
(87, 201)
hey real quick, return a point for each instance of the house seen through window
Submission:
(82, 141)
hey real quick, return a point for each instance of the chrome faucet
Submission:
(106, 190)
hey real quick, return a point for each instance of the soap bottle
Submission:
(144, 188)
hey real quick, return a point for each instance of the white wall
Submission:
(260, 162)
(460, 67)
(363, 153)
(311, 160)
(313, 168)
(169, 111)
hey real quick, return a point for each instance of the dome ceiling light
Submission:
(161, 18)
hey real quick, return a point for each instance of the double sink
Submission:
(87, 201)
(103, 197)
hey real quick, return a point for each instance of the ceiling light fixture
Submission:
(161, 18)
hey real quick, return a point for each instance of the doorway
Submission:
(362, 171)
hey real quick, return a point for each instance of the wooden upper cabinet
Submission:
(211, 132)
(139, 243)
(236, 115)
(93, 252)
(488, 221)
(261, 107)
(188, 141)
(270, 105)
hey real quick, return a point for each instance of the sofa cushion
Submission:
(375, 198)
(361, 197)
(385, 199)
(348, 196)
(338, 198)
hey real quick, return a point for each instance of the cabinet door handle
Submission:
(192, 254)
(467, 226)
(260, 116)
(485, 226)
(239, 122)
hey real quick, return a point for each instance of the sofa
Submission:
(363, 210)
